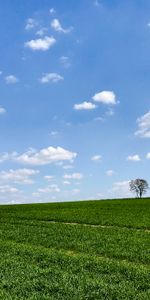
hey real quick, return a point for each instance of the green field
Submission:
(72, 251)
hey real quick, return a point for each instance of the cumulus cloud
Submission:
(51, 77)
(77, 176)
(105, 97)
(55, 24)
(11, 79)
(135, 157)
(143, 126)
(42, 44)
(43, 157)
(22, 176)
(96, 158)
(30, 24)
(84, 106)
(2, 110)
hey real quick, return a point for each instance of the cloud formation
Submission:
(143, 126)
(22, 176)
(84, 106)
(30, 24)
(135, 157)
(42, 44)
(51, 77)
(105, 97)
(43, 157)
(11, 79)
(77, 176)
(2, 110)
(96, 158)
(55, 24)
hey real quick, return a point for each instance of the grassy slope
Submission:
(44, 260)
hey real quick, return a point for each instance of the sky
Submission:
(74, 99)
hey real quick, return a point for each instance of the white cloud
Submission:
(2, 110)
(105, 97)
(53, 188)
(11, 79)
(48, 177)
(53, 133)
(55, 24)
(52, 10)
(22, 176)
(148, 155)
(96, 158)
(66, 182)
(84, 106)
(110, 172)
(143, 126)
(5, 189)
(64, 60)
(135, 157)
(42, 44)
(77, 176)
(45, 156)
(42, 31)
(51, 77)
(30, 24)
(1, 72)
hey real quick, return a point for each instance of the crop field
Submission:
(75, 251)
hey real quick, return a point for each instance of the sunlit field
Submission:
(81, 250)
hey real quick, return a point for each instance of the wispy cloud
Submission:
(143, 126)
(84, 106)
(56, 25)
(21, 176)
(110, 173)
(51, 77)
(96, 158)
(42, 44)
(2, 110)
(52, 10)
(77, 176)
(30, 24)
(11, 79)
(65, 62)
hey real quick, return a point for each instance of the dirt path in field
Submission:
(96, 226)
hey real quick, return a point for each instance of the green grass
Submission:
(44, 257)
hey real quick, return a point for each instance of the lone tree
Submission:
(138, 186)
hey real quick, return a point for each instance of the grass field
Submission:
(76, 251)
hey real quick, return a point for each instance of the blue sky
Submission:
(74, 99)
